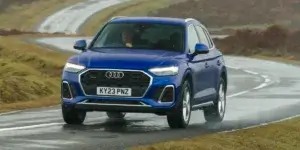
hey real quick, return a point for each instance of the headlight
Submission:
(165, 71)
(69, 67)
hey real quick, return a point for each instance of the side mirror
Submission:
(201, 49)
(80, 45)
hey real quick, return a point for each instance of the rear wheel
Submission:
(73, 116)
(216, 112)
(116, 115)
(180, 118)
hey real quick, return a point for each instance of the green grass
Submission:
(277, 136)
(29, 74)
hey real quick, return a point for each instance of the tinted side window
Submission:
(202, 36)
(209, 39)
(192, 38)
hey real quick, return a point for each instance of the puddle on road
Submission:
(122, 126)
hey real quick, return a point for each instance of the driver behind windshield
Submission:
(127, 36)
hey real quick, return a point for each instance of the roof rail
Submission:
(115, 17)
(189, 19)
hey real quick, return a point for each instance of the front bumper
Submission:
(121, 108)
(160, 96)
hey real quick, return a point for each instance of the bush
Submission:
(273, 41)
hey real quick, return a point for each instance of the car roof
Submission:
(164, 20)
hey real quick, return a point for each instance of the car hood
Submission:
(127, 59)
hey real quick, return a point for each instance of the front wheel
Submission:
(73, 116)
(180, 118)
(216, 112)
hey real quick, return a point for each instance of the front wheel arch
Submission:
(224, 77)
(188, 76)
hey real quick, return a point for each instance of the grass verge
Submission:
(277, 136)
(30, 74)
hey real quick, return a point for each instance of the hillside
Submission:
(216, 13)
(30, 74)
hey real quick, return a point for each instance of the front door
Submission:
(212, 68)
(198, 65)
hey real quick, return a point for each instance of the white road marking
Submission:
(30, 127)
(237, 94)
(260, 86)
(264, 84)
(42, 125)
(51, 111)
(267, 80)
(231, 67)
(11, 112)
(251, 72)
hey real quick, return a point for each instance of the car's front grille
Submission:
(138, 81)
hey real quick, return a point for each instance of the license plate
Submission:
(111, 91)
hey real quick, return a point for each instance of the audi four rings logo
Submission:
(114, 74)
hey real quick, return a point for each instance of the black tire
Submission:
(214, 113)
(73, 116)
(176, 118)
(115, 115)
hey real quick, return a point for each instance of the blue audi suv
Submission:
(160, 65)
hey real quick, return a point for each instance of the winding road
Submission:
(259, 92)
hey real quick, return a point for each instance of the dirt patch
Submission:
(8, 32)
(4, 4)
(216, 13)
(275, 41)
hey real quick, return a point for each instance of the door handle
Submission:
(206, 65)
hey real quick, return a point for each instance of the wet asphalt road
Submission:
(44, 128)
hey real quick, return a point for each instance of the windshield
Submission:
(148, 36)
